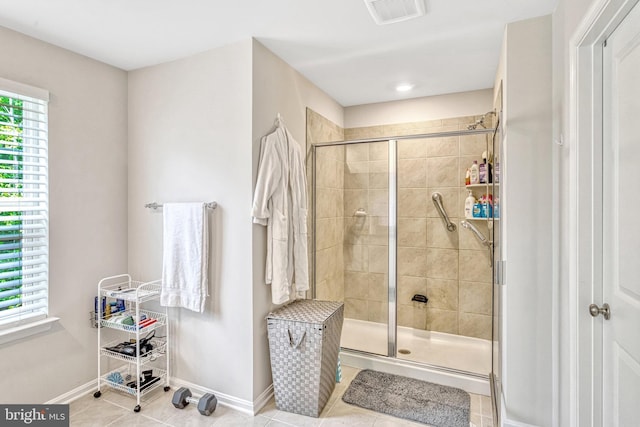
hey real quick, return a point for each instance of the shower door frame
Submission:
(393, 231)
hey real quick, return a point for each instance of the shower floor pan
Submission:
(435, 349)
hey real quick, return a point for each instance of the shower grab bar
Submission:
(437, 201)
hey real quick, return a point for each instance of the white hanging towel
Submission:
(185, 256)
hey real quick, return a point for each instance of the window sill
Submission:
(24, 331)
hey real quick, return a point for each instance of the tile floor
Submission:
(116, 409)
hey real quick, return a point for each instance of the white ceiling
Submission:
(335, 43)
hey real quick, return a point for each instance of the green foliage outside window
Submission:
(11, 149)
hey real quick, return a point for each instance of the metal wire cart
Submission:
(119, 307)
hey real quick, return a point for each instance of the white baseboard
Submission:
(263, 399)
(511, 423)
(74, 394)
(242, 405)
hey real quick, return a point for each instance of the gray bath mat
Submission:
(411, 399)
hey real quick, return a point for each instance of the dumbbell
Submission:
(206, 404)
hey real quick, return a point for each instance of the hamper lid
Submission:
(306, 310)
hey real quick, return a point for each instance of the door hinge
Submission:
(604, 44)
(500, 272)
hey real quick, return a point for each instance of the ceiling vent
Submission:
(391, 11)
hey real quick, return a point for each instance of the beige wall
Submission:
(276, 88)
(234, 94)
(190, 140)
(88, 211)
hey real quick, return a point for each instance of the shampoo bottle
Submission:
(467, 177)
(483, 206)
(477, 210)
(482, 173)
(489, 206)
(475, 173)
(469, 202)
(488, 168)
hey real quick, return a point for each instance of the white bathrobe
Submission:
(280, 203)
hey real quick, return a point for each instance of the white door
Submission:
(621, 225)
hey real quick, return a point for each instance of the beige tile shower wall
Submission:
(451, 269)
(329, 224)
(329, 270)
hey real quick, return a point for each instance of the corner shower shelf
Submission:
(497, 184)
(486, 186)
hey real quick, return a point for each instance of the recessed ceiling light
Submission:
(404, 87)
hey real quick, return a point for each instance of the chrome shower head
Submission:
(480, 121)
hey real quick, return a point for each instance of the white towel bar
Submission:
(154, 205)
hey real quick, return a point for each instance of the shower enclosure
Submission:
(390, 239)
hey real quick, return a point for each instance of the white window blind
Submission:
(24, 200)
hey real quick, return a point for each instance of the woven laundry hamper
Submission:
(304, 340)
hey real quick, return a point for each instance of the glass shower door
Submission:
(352, 239)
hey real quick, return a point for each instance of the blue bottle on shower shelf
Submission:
(477, 209)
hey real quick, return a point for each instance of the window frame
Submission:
(29, 322)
